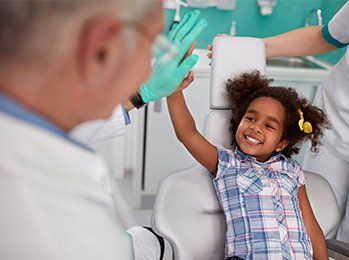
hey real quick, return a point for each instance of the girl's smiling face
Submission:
(261, 129)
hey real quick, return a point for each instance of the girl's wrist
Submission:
(174, 95)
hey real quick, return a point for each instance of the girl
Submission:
(260, 188)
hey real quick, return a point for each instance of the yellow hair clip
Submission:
(304, 126)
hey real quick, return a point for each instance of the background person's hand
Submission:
(166, 78)
(209, 47)
(209, 54)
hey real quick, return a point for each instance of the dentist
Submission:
(333, 159)
(63, 63)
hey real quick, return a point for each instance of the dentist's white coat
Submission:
(56, 199)
(333, 159)
(101, 130)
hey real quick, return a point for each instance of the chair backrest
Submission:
(186, 210)
(233, 56)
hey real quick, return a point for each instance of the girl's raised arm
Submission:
(202, 150)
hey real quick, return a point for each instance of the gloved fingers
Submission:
(174, 26)
(173, 31)
(187, 27)
(187, 65)
(190, 38)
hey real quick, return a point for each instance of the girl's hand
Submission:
(190, 50)
(185, 83)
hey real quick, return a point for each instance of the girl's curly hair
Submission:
(243, 89)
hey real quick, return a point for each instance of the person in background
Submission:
(63, 63)
(332, 162)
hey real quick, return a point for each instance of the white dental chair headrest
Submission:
(231, 57)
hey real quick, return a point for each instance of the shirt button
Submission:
(280, 218)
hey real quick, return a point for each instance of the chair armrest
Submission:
(337, 249)
(185, 203)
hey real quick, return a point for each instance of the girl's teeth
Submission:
(253, 140)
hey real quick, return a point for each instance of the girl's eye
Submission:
(251, 119)
(270, 127)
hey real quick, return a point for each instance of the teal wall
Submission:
(287, 15)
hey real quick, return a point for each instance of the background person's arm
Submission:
(300, 42)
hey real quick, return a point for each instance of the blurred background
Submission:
(285, 15)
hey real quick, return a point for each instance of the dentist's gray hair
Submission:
(34, 29)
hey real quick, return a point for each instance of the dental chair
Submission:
(186, 210)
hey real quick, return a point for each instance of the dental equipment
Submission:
(177, 17)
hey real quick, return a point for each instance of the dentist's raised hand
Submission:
(166, 78)
(190, 77)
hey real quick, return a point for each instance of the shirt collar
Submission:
(248, 158)
(11, 107)
(275, 163)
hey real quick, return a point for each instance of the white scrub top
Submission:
(334, 97)
(56, 201)
(103, 129)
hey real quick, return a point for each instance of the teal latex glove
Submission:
(166, 78)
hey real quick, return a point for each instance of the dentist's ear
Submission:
(96, 49)
(281, 145)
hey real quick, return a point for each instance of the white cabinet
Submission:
(163, 152)
(304, 89)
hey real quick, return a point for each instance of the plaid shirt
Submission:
(261, 207)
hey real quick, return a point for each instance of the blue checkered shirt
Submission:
(260, 203)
